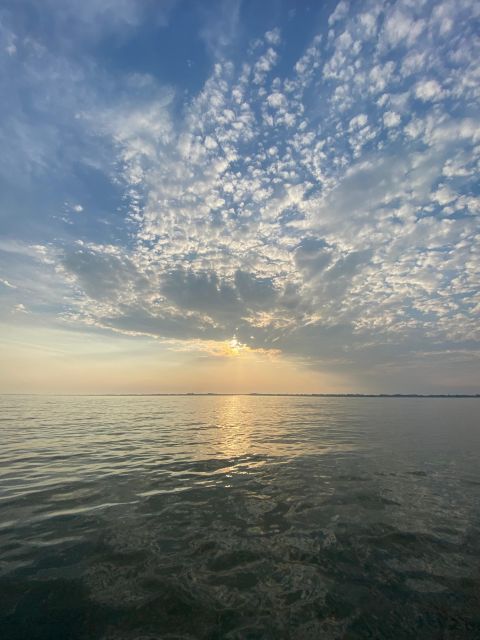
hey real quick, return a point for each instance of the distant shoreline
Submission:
(253, 394)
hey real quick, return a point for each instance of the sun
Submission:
(234, 347)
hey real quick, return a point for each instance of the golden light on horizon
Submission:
(60, 361)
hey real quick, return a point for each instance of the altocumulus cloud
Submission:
(322, 202)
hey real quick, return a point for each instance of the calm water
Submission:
(239, 517)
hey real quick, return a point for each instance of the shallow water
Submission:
(239, 517)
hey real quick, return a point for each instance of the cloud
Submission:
(7, 284)
(391, 119)
(273, 36)
(220, 25)
(339, 12)
(400, 27)
(203, 292)
(20, 308)
(103, 273)
(313, 256)
(71, 23)
(264, 65)
(277, 100)
(323, 202)
(255, 293)
(428, 90)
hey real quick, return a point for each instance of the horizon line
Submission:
(255, 393)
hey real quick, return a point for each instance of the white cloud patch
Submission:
(277, 100)
(264, 65)
(273, 36)
(391, 119)
(400, 27)
(339, 13)
(428, 90)
(7, 284)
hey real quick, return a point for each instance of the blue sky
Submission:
(290, 183)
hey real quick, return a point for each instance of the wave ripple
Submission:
(135, 518)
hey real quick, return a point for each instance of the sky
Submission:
(239, 196)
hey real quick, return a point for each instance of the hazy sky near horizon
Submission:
(239, 196)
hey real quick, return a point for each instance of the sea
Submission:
(239, 517)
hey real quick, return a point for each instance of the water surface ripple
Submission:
(239, 518)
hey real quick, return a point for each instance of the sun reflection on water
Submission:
(235, 421)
